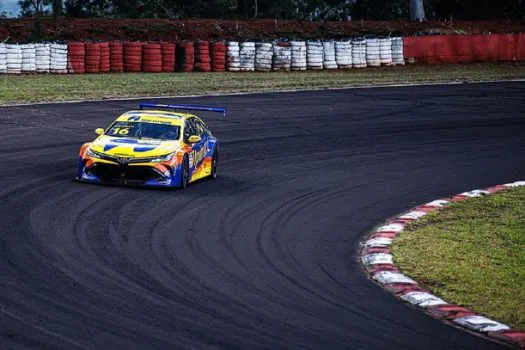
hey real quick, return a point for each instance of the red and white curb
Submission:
(377, 259)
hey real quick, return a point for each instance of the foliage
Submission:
(279, 9)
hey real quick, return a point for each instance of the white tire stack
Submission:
(28, 58)
(282, 57)
(385, 52)
(359, 53)
(397, 51)
(329, 61)
(43, 57)
(3, 58)
(14, 59)
(298, 61)
(247, 55)
(314, 55)
(343, 54)
(58, 59)
(233, 58)
(263, 57)
(372, 53)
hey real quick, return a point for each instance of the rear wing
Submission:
(183, 107)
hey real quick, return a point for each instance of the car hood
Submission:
(131, 147)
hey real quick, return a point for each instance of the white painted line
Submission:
(475, 193)
(379, 242)
(481, 324)
(437, 203)
(377, 258)
(389, 277)
(413, 215)
(515, 184)
(391, 228)
(423, 299)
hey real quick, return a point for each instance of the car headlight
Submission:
(92, 154)
(161, 159)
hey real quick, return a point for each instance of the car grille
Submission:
(124, 173)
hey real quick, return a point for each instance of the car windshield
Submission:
(144, 130)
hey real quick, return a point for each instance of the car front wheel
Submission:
(185, 172)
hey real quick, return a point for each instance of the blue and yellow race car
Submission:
(153, 146)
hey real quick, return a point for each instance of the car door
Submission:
(198, 149)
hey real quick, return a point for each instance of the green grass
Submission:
(472, 253)
(36, 88)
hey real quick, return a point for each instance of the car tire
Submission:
(185, 172)
(214, 164)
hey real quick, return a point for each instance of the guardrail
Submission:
(247, 56)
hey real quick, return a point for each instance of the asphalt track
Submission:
(262, 257)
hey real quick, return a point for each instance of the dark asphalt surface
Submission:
(266, 255)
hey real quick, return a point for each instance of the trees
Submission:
(417, 10)
(35, 8)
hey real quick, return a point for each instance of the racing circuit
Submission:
(265, 256)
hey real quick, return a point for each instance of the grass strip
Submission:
(40, 88)
(472, 254)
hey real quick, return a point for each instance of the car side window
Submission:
(189, 129)
(203, 127)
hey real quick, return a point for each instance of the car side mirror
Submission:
(194, 139)
(99, 131)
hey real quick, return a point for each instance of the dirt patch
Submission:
(23, 30)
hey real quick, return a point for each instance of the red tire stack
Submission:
(152, 58)
(116, 53)
(76, 57)
(202, 56)
(185, 56)
(168, 57)
(133, 56)
(218, 57)
(104, 66)
(92, 58)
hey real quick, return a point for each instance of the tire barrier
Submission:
(263, 57)
(58, 62)
(43, 58)
(14, 59)
(218, 57)
(3, 58)
(185, 59)
(343, 54)
(202, 56)
(445, 49)
(329, 61)
(299, 53)
(116, 57)
(233, 58)
(247, 56)
(314, 55)
(397, 51)
(385, 52)
(76, 62)
(133, 56)
(92, 63)
(152, 58)
(359, 53)
(372, 53)
(80, 57)
(105, 61)
(168, 57)
(282, 57)
(28, 58)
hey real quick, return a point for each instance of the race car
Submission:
(153, 146)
